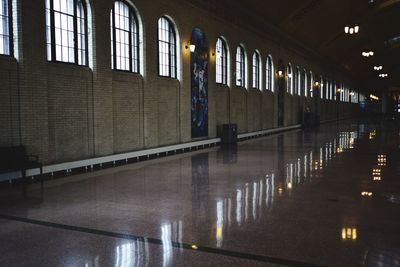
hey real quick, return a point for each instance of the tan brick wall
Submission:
(65, 112)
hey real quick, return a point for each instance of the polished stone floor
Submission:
(329, 197)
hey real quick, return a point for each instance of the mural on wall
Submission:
(199, 84)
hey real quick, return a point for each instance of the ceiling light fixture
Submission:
(378, 67)
(383, 75)
(351, 30)
(368, 54)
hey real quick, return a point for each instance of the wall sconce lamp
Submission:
(317, 85)
(192, 47)
(280, 74)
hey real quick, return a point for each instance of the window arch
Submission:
(256, 70)
(269, 74)
(124, 37)
(221, 62)
(289, 79)
(5, 28)
(240, 67)
(167, 48)
(66, 28)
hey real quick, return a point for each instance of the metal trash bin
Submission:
(229, 133)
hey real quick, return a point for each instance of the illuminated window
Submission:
(269, 71)
(221, 62)
(305, 84)
(124, 38)
(256, 70)
(311, 82)
(322, 87)
(334, 90)
(328, 90)
(5, 27)
(66, 28)
(289, 79)
(166, 48)
(298, 81)
(240, 67)
(327, 86)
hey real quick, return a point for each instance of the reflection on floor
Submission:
(326, 197)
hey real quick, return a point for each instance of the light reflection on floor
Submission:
(329, 197)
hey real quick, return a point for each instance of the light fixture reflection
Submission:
(366, 194)
(382, 160)
(349, 233)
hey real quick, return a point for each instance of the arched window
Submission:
(334, 91)
(240, 67)
(5, 28)
(311, 84)
(298, 81)
(305, 84)
(269, 71)
(256, 70)
(66, 25)
(326, 88)
(322, 87)
(124, 38)
(289, 79)
(166, 48)
(221, 62)
(294, 82)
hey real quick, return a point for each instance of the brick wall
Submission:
(65, 112)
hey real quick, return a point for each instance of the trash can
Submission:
(229, 133)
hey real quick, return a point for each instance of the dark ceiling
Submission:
(319, 26)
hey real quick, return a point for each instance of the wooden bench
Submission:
(15, 158)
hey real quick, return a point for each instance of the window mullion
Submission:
(174, 54)
(114, 40)
(169, 52)
(52, 31)
(10, 29)
(86, 35)
(130, 42)
(76, 57)
(136, 36)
